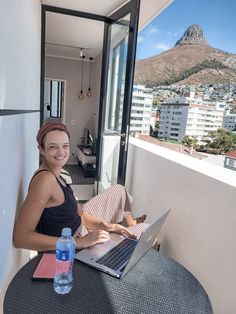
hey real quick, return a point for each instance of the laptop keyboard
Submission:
(118, 254)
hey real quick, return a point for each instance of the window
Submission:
(53, 98)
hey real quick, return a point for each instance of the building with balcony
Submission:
(140, 110)
(184, 116)
(230, 121)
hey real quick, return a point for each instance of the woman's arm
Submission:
(93, 223)
(39, 196)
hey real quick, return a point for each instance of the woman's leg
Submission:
(108, 206)
(113, 206)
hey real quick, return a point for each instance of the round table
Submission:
(156, 284)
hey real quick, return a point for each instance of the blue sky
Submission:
(217, 18)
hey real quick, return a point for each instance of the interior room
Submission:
(73, 60)
(72, 80)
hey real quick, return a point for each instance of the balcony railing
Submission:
(200, 231)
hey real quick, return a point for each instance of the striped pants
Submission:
(111, 206)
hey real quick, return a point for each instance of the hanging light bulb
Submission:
(89, 93)
(81, 95)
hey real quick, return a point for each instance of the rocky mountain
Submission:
(192, 36)
(191, 61)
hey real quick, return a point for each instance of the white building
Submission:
(184, 116)
(230, 121)
(141, 110)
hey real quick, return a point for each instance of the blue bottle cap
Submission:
(66, 232)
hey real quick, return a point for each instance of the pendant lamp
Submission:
(89, 93)
(81, 95)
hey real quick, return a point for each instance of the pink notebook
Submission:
(46, 268)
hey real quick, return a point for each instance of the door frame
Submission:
(131, 7)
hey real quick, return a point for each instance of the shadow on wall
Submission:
(11, 254)
(17, 254)
(13, 258)
(19, 160)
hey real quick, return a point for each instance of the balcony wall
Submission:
(200, 231)
(20, 38)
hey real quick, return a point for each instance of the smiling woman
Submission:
(51, 206)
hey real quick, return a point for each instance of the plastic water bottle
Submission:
(65, 253)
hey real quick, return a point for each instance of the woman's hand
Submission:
(93, 237)
(120, 229)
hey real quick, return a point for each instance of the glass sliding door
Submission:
(116, 94)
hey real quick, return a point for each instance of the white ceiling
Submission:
(100, 7)
(74, 31)
(79, 32)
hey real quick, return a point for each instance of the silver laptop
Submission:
(119, 254)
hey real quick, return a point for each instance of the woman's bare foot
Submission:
(141, 219)
(130, 221)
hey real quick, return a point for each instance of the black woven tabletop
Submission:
(156, 284)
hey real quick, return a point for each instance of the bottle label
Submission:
(65, 255)
(63, 267)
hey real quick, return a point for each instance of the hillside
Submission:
(191, 61)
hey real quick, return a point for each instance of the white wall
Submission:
(19, 56)
(200, 231)
(84, 112)
(20, 35)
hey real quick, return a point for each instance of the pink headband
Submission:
(47, 127)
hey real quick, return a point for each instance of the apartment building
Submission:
(140, 110)
(187, 116)
(230, 121)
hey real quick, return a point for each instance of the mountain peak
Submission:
(192, 36)
(191, 61)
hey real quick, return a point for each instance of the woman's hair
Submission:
(50, 126)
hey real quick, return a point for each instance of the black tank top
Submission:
(55, 218)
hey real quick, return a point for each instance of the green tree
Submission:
(233, 135)
(206, 64)
(233, 109)
(190, 141)
(157, 125)
(220, 141)
(154, 103)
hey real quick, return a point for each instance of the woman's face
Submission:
(56, 148)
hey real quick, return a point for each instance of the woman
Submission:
(50, 204)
